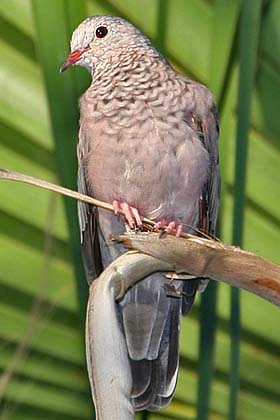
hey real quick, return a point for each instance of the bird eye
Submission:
(101, 31)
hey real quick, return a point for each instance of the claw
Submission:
(128, 214)
(160, 224)
(169, 228)
(116, 206)
(131, 214)
(179, 230)
(136, 216)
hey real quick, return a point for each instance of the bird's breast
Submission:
(148, 158)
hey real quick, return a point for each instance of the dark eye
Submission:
(101, 31)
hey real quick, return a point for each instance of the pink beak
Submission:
(72, 59)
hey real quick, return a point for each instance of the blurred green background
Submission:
(227, 371)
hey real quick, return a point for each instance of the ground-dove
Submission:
(147, 143)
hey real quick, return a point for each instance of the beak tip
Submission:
(62, 68)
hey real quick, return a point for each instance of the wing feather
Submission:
(88, 219)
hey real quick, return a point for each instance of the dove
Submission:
(148, 143)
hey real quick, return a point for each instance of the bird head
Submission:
(103, 40)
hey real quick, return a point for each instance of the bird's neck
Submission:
(131, 72)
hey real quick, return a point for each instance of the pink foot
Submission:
(160, 224)
(169, 227)
(131, 214)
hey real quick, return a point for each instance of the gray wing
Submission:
(204, 119)
(211, 192)
(88, 218)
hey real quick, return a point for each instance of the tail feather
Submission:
(164, 368)
(145, 400)
(189, 292)
(141, 376)
(145, 310)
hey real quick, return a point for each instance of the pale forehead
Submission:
(84, 33)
